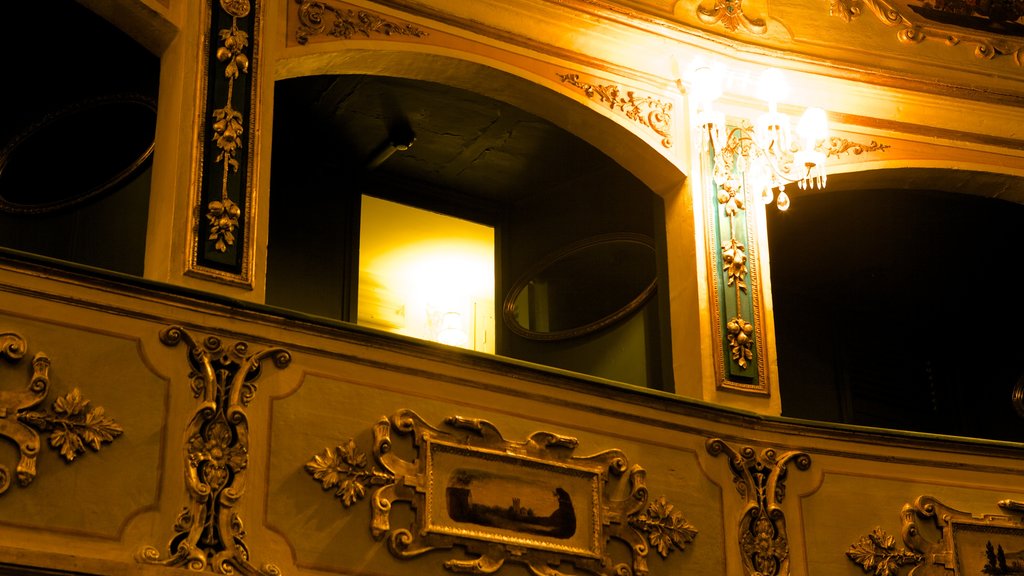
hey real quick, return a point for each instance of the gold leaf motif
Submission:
(839, 146)
(74, 425)
(645, 110)
(876, 553)
(345, 467)
(666, 528)
(740, 341)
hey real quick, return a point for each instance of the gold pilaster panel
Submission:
(760, 480)
(208, 532)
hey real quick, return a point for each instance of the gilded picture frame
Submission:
(532, 502)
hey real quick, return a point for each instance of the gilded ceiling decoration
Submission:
(208, 533)
(989, 27)
(645, 110)
(531, 502)
(346, 23)
(990, 544)
(221, 230)
(730, 14)
(72, 424)
(760, 479)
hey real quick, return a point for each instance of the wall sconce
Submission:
(764, 154)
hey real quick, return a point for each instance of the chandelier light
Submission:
(763, 154)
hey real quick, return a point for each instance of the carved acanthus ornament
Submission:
(72, 424)
(346, 23)
(646, 110)
(838, 146)
(877, 554)
(730, 14)
(968, 543)
(760, 479)
(208, 533)
(914, 29)
(531, 502)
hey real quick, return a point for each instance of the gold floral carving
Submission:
(208, 532)
(648, 111)
(730, 14)
(223, 214)
(839, 146)
(986, 47)
(760, 479)
(877, 554)
(531, 502)
(972, 543)
(346, 23)
(72, 424)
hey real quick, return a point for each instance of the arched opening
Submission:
(339, 139)
(896, 301)
(76, 138)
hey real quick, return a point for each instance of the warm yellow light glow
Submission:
(426, 275)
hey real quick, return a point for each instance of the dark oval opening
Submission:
(100, 142)
(583, 288)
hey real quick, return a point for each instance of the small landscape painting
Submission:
(988, 550)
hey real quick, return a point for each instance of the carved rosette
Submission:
(208, 532)
(760, 480)
(73, 425)
(645, 110)
(531, 502)
(316, 18)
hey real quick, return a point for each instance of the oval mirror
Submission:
(583, 288)
(105, 140)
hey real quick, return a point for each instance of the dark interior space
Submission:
(473, 157)
(900, 309)
(88, 91)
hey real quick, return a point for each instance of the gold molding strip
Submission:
(760, 479)
(968, 543)
(645, 110)
(914, 28)
(531, 502)
(208, 532)
(72, 424)
(346, 23)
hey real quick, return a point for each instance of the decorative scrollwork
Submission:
(760, 479)
(346, 23)
(208, 532)
(531, 502)
(839, 146)
(72, 424)
(646, 110)
(730, 14)
(973, 543)
(914, 28)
